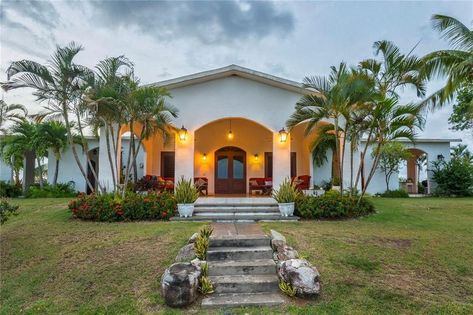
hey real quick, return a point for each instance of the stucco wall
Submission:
(233, 97)
(5, 172)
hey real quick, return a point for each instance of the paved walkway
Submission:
(233, 229)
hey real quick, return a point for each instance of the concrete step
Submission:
(235, 218)
(239, 253)
(236, 209)
(242, 267)
(245, 283)
(235, 214)
(239, 241)
(243, 299)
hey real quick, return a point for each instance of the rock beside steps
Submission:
(243, 272)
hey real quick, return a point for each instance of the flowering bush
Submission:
(332, 205)
(111, 207)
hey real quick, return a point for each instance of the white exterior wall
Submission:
(432, 148)
(5, 172)
(233, 97)
(68, 169)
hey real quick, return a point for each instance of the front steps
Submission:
(242, 271)
(236, 210)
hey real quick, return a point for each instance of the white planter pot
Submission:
(286, 209)
(185, 209)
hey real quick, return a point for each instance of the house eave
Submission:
(233, 70)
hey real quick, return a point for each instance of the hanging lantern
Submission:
(182, 134)
(282, 135)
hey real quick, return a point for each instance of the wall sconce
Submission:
(256, 157)
(282, 135)
(440, 157)
(204, 157)
(183, 134)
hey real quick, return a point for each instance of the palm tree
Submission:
(13, 112)
(105, 102)
(12, 153)
(328, 101)
(52, 135)
(456, 63)
(335, 98)
(393, 71)
(391, 122)
(146, 106)
(60, 83)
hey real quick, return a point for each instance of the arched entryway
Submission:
(93, 156)
(230, 170)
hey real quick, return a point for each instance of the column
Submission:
(184, 157)
(281, 159)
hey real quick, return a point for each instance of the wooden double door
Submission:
(230, 171)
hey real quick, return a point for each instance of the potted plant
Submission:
(336, 183)
(186, 194)
(286, 196)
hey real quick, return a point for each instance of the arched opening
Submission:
(414, 178)
(230, 170)
(93, 156)
(237, 148)
(127, 151)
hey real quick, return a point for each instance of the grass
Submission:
(414, 256)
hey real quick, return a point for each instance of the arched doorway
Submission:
(230, 171)
(93, 156)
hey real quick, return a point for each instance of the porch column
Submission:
(281, 159)
(184, 157)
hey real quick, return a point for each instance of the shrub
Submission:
(146, 184)
(9, 190)
(453, 178)
(286, 192)
(112, 207)
(60, 190)
(185, 191)
(332, 205)
(287, 289)
(6, 210)
(400, 193)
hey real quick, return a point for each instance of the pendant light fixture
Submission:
(230, 133)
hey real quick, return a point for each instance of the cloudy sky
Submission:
(170, 39)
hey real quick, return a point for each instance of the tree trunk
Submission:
(73, 148)
(373, 168)
(86, 148)
(40, 169)
(56, 172)
(337, 149)
(107, 142)
(134, 153)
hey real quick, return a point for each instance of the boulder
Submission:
(285, 252)
(301, 275)
(186, 253)
(180, 283)
(277, 240)
(197, 262)
(193, 238)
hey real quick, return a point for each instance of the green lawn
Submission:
(414, 256)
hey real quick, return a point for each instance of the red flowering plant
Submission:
(111, 207)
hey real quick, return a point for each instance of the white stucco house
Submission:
(232, 120)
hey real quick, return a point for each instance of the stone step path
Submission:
(241, 267)
(236, 210)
